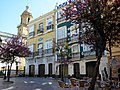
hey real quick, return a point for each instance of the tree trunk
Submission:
(110, 51)
(9, 72)
(96, 72)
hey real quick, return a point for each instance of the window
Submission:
(59, 14)
(62, 32)
(31, 31)
(40, 47)
(60, 17)
(49, 46)
(75, 49)
(40, 28)
(28, 19)
(31, 49)
(49, 23)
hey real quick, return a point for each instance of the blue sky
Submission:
(10, 11)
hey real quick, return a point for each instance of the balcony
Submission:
(83, 55)
(89, 53)
(41, 30)
(31, 55)
(62, 41)
(39, 54)
(61, 19)
(48, 52)
(74, 39)
(50, 27)
(76, 56)
(31, 34)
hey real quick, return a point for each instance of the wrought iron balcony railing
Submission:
(48, 52)
(89, 53)
(31, 54)
(39, 53)
(50, 27)
(41, 30)
(61, 19)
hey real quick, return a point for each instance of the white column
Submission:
(70, 69)
(82, 67)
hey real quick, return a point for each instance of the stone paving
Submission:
(33, 83)
(29, 83)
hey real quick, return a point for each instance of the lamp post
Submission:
(16, 68)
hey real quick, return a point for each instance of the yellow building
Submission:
(26, 17)
(41, 44)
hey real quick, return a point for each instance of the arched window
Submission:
(28, 19)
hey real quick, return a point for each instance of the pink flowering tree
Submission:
(99, 22)
(12, 48)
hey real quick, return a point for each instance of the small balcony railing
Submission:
(39, 53)
(50, 27)
(62, 41)
(31, 54)
(74, 38)
(41, 30)
(61, 19)
(48, 52)
(89, 53)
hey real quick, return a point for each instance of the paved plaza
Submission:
(29, 83)
(34, 83)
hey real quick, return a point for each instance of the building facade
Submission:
(51, 31)
(82, 61)
(41, 41)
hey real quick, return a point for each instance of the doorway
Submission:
(31, 70)
(41, 70)
(76, 70)
(50, 69)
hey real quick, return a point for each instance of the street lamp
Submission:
(16, 68)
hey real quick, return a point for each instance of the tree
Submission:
(14, 47)
(99, 22)
(63, 55)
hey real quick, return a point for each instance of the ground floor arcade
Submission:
(48, 67)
